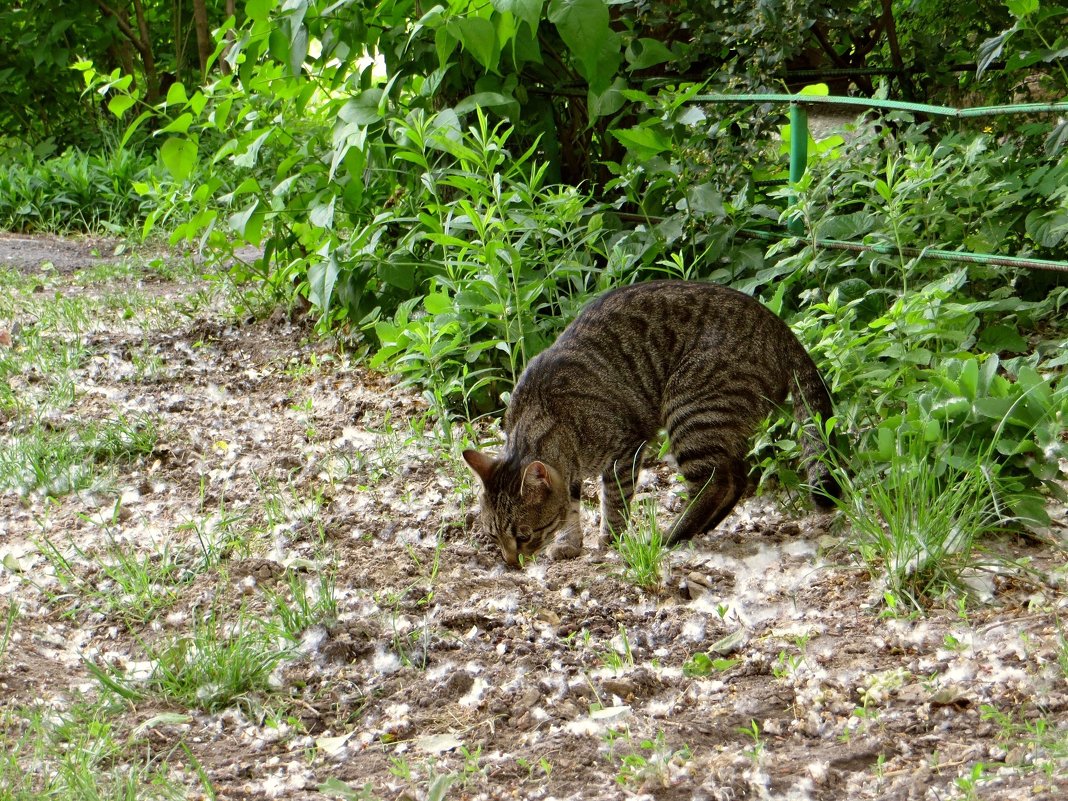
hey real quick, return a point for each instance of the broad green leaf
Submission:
(479, 38)
(527, 10)
(886, 443)
(584, 27)
(644, 53)
(1048, 228)
(643, 142)
(705, 199)
(197, 103)
(120, 104)
(1021, 8)
(179, 125)
(259, 10)
(608, 102)
(179, 156)
(998, 338)
(239, 220)
(363, 109)
(298, 48)
(176, 95)
(990, 50)
(438, 303)
(321, 212)
(322, 275)
(483, 100)
(815, 90)
(969, 379)
(993, 408)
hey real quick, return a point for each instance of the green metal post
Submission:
(798, 156)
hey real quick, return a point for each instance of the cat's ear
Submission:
(537, 477)
(481, 464)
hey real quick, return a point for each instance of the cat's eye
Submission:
(522, 535)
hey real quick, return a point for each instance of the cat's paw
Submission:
(565, 550)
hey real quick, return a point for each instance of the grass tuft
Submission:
(642, 549)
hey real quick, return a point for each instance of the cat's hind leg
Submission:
(716, 481)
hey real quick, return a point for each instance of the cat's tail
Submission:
(813, 407)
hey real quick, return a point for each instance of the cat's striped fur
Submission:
(702, 361)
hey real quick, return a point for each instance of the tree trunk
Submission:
(205, 45)
(142, 42)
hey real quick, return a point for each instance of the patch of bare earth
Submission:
(443, 668)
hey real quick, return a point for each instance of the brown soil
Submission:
(562, 681)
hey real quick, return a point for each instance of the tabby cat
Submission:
(702, 361)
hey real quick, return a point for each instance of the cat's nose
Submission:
(511, 557)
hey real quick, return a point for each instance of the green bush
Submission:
(75, 191)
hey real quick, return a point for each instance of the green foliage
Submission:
(642, 549)
(78, 753)
(216, 667)
(75, 191)
(916, 519)
(701, 664)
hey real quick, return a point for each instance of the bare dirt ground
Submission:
(442, 674)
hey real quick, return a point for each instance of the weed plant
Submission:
(216, 666)
(917, 520)
(56, 461)
(121, 584)
(77, 754)
(9, 627)
(642, 549)
(75, 191)
(297, 610)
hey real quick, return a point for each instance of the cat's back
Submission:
(666, 318)
(625, 344)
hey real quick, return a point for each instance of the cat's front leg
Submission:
(617, 488)
(568, 544)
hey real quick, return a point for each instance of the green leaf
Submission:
(479, 38)
(438, 303)
(321, 212)
(993, 408)
(247, 223)
(969, 379)
(120, 104)
(179, 125)
(1021, 8)
(583, 25)
(608, 102)
(483, 100)
(527, 10)
(363, 109)
(179, 156)
(644, 53)
(1048, 228)
(176, 95)
(643, 142)
(259, 10)
(298, 48)
(322, 275)
(990, 50)
(705, 199)
(998, 338)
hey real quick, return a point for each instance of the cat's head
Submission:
(523, 503)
